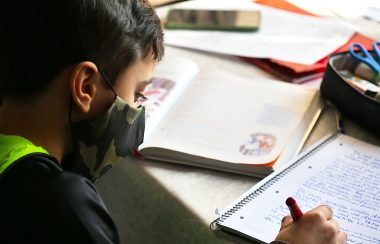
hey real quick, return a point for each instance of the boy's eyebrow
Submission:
(147, 82)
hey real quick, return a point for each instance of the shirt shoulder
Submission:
(51, 203)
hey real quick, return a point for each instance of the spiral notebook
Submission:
(339, 171)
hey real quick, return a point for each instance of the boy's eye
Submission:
(148, 82)
(139, 97)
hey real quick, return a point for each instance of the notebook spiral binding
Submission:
(272, 181)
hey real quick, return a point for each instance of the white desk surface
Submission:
(155, 202)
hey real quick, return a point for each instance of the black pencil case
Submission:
(352, 103)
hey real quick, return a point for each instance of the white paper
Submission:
(373, 14)
(345, 175)
(282, 35)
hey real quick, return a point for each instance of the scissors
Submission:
(365, 56)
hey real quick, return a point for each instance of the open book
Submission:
(223, 121)
(340, 171)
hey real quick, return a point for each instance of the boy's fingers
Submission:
(342, 237)
(286, 221)
(334, 223)
(324, 211)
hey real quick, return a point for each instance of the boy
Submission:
(72, 73)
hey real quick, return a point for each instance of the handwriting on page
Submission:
(351, 186)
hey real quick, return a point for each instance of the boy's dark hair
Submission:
(40, 38)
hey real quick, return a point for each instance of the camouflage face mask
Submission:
(101, 142)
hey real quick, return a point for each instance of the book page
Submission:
(226, 117)
(344, 174)
(171, 77)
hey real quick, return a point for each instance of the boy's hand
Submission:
(315, 226)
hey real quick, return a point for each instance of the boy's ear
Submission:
(83, 85)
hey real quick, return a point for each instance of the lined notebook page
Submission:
(343, 173)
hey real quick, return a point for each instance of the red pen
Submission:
(295, 211)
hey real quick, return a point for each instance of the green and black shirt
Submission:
(40, 203)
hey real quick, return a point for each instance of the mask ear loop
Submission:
(67, 164)
(107, 81)
(70, 108)
(110, 85)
